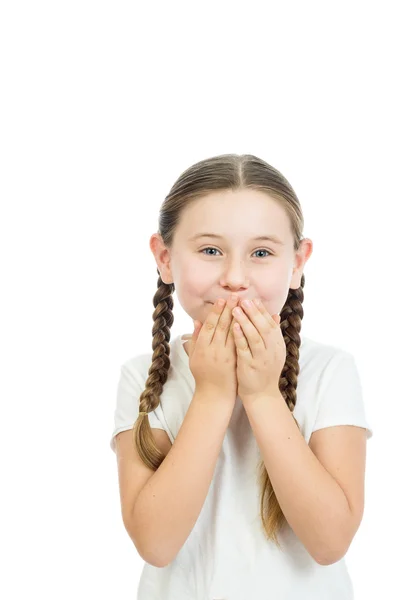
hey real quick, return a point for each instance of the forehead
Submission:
(235, 216)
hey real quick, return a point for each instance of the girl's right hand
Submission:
(212, 353)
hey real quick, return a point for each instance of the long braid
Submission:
(291, 315)
(163, 319)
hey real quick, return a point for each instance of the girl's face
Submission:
(204, 269)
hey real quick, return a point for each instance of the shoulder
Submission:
(137, 365)
(324, 369)
(321, 356)
(313, 348)
(318, 359)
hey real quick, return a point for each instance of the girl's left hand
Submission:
(261, 352)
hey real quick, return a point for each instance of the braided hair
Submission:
(222, 172)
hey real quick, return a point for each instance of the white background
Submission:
(103, 105)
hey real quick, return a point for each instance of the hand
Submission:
(212, 353)
(261, 352)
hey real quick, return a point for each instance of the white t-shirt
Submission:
(226, 555)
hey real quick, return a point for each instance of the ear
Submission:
(162, 257)
(301, 257)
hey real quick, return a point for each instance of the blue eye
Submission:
(211, 248)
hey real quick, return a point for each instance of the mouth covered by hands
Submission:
(261, 350)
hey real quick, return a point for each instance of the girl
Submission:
(241, 447)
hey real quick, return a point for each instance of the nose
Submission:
(234, 278)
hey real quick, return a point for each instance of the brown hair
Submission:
(225, 172)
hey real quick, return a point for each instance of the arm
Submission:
(168, 506)
(313, 503)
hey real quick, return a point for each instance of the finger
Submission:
(208, 328)
(240, 340)
(230, 335)
(192, 340)
(261, 308)
(197, 328)
(224, 324)
(253, 332)
(259, 317)
(262, 321)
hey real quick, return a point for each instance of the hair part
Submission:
(221, 173)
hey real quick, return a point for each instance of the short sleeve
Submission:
(341, 399)
(130, 387)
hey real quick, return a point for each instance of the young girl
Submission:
(241, 447)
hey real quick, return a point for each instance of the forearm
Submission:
(168, 506)
(313, 503)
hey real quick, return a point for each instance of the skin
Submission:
(236, 263)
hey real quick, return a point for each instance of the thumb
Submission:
(197, 328)
(192, 341)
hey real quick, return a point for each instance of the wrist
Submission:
(209, 396)
(265, 398)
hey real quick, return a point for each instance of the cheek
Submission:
(194, 277)
(273, 292)
(193, 283)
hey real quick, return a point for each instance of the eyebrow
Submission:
(261, 238)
